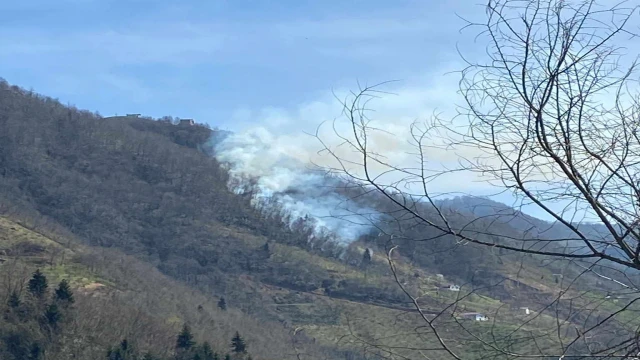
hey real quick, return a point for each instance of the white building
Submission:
(475, 316)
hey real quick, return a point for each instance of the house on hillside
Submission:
(133, 115)
(454, 288)
(475, 316)
(188, 122)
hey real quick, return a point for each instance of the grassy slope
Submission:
(391, 326)
(318, 320)
(130, 298)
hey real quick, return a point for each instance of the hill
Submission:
(141, 220)
(118, 297)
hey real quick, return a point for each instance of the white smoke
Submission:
(275, 147)
(299, 187)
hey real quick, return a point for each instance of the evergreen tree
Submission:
(16, 344)
(196, 356)
(238, 345)
(123, 352)
(222, 303)
(35, 352)
(185, 339)
(366, 258)
(52, 315)
(124, 345)
(207, 352)
(227, 357)
(114, 354)
(63, 293)
(38, 284)
(266, 250)
(14, 300)
(148, 356)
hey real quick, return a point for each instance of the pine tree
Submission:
(63, 293)
(227, 357)
(366, 258)
(207, 352)
(38, 284)
(196, 356)
(14, 300)
(15, 343)
(238, 345)
(185, 339)
(35, 352)
(266, 250)
(222, 303)
(124, 345)
(124, 352)
(52, 315)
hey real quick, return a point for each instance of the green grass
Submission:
(54, 259)
(77, 275)
(12, 233)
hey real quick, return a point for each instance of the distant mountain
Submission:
(530, 226)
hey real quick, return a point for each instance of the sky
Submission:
(217, 60)
(265, 69)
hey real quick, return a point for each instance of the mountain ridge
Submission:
(147, 191)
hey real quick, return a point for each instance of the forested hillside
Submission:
(144, 187)
(151, 233)
(139, 185)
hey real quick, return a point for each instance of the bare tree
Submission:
(551, 115)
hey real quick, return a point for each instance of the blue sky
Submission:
(263, 68)
(212, 59)
(266, 68)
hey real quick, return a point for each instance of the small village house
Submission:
(475, 316)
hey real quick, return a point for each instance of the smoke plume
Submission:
(273, 146)
(279, 169)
